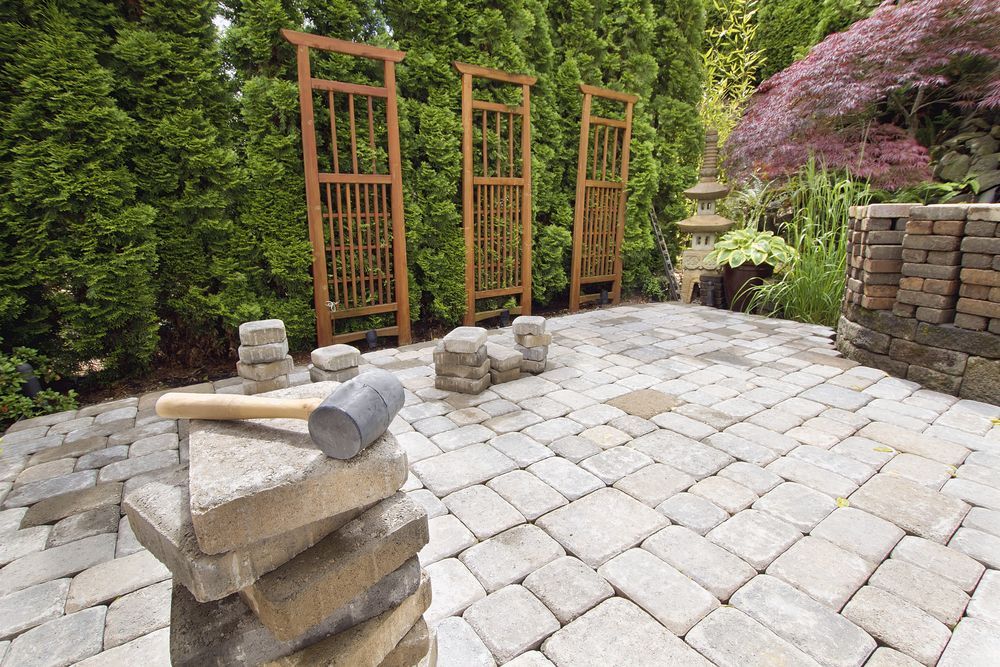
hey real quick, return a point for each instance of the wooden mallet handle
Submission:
(179, 405)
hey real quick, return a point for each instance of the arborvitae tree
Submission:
(170, 81)
(81, 248)
(785, 31)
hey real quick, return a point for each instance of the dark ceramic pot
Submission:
(738, 282)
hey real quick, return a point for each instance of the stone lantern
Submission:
(705, 225)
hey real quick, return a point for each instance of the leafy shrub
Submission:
(861, 99)
(785, 31)
(750, 246)
(810, 288)
(14, 405)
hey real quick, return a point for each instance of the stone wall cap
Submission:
(989, 212)
(939, 212)
(889, 210)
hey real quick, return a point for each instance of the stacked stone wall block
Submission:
(937, 321)
(532, 342)
(875, 254)
(314, 562)
(264, 362)
(461, 361)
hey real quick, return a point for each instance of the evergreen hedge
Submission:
(152, 193)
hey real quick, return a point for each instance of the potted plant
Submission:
(747, 257)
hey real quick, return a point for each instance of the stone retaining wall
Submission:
(922, 299)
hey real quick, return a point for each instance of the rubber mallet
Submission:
(352, 417)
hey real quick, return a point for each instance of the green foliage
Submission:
(14, 405)
(750, 246)
(838, 15)
(79, 247)
(785, 32)
(731, 62)
(811, 287)
(169, 79)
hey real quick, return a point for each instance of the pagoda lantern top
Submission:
(706, 192)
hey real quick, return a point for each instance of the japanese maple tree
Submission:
(861, 99)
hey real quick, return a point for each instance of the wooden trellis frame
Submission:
(601, 190)
(355, 214)
(496, 208)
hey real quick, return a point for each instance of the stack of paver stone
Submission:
(461, 363)
(875, 254)
(979, 294)
(532, 342)
(336, 363)
(931, 264)
(280, 553)
(505, 363)
(264, 361)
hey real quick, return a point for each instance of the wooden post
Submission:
(578, 209)
(400, 270)
(314, 203)
(622, 202)
(467, 203)
(526, 198)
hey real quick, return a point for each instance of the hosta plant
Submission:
(741, 246)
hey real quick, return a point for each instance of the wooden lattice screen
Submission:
(496, 194)
(601, 184)
(355, 208)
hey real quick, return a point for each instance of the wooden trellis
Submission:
(355, 208)
(601, 184)
(496, 194)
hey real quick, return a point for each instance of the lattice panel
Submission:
(496, 193)
(350, 145)
(601, 185)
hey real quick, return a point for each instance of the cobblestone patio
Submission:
(681, 486)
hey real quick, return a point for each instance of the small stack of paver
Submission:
(505, 363)
(282, 555)
(461, 363)
(264, 361)
(532, 342)
(875, 254)
(931, 264)
(979, 293)
(337, 363)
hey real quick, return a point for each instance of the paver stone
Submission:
(456, 589)
(511, 621)
(61, 641)
(460, 646)
(899, 624)
(910, 506)
(754, 536)
(712, 567)
(509, 557)
(568, 587)
(859, 532)
(934, 594)
(822, 570)
(730, 638)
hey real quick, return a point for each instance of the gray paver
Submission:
(666, 594)
(511, 621)
(754, 536)
(985, 602)
(111, 579)
(618, 632)
(575, 448)
(601, 525)
(33, 492)
(711, 566)
(822, 570)
(988, 521)
(730, 638)
(448, 537)
(807, 474)
(904, 440)
(932, 474)
(520, 448)
(23, 542)
(568, 479)
(911, 506)
(654, 483)
(152, 650)
(681, 452)
(32, 606)
(464, 467)
(138, 613)
(898, 623)
(799, 505)
(453, 589)
(725, 493)
(973, 493)
(613, 464)
(982, 546)
(57, 562)
(944, 561)
(510, 556)
(692, 511)
(483, 511)
(754, 477)
(531, 496)
(862, 533)
(814, 628)
(460, 646)
(937, 596)
(61, 641)
(887, 657)
(975, 643)
(568, 587)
